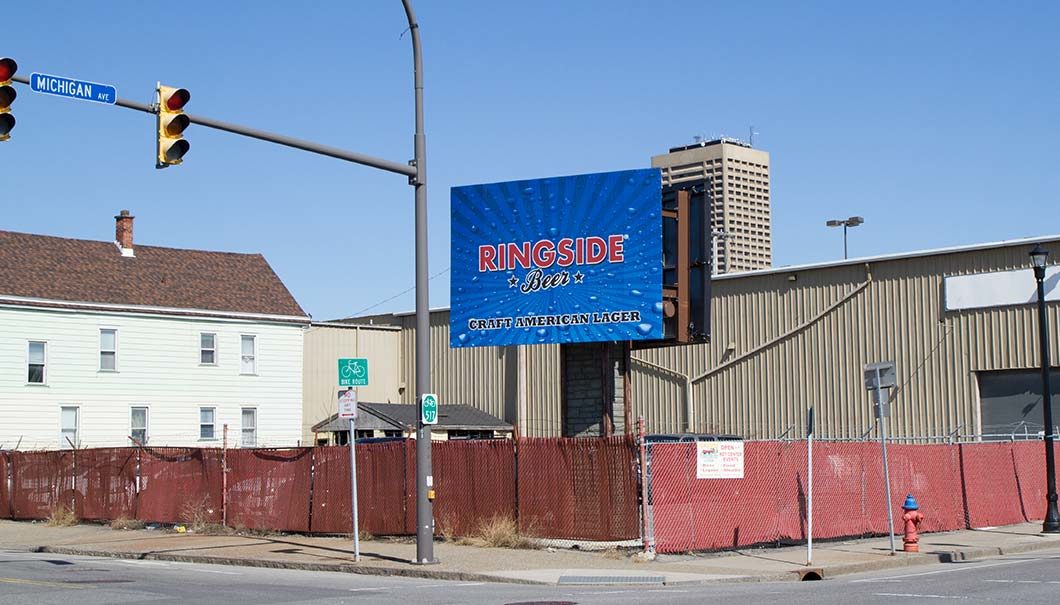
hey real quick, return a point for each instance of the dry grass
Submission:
(364, 536)
(123, 523)
(197, 516)
(499, 532)
(62, 516)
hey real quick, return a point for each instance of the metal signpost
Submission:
(348, 409)
(73, 89)
(880, 378)
(809, 487)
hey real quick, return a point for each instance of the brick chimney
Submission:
(123, 232)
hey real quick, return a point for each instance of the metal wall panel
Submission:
(783, 341)
(324, 345)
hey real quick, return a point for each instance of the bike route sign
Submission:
(74, 89)
(429, 408)
(353, 372)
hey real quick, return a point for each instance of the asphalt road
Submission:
(44, 578)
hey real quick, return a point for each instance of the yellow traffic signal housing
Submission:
(8, 67)
(171, 124)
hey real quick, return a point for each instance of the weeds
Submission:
(499, 532)
(198, 517)
(62, 516)
(123, 523)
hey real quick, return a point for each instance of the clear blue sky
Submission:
(935, 121)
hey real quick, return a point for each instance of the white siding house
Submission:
(172, 366)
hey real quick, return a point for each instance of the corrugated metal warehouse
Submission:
(789, 338)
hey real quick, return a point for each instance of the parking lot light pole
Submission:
(853, 221)
(1051, 525)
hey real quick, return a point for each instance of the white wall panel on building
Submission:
(158, 367)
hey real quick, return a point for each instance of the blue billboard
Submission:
(557, 260)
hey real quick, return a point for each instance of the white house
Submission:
(103, 343)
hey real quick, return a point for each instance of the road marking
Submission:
(948, 570)
(227, 573)
(140, 562)
(41, 583)
(366, 589)
(450, 585)
(917, 596)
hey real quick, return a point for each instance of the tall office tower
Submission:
(737, 176)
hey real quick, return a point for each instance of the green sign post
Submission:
(353, 372)
(429, 408)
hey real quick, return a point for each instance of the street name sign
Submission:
(429, 408)
(348, 404)
(353, 372)
(73, 89)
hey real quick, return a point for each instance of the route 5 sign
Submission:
(429, 408)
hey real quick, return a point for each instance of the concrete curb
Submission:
(355, 568)
(825, 572)
(912, 560)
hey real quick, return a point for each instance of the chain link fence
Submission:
(956, 486)
(570, 489)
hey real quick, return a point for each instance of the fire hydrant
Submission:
(912, 517)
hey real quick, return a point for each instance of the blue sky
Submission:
(935, 121)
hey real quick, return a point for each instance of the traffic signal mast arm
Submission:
(334, 152)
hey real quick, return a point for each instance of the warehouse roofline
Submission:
(1008, 243)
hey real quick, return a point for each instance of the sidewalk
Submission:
(552, 566)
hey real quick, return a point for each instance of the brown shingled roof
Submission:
(61, 269)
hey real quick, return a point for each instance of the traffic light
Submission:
(8, 67)
(171, 124)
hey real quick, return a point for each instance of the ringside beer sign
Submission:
(557, 260)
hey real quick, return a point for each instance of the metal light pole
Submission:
(1051, 525)
(853, 221)
(424, 509)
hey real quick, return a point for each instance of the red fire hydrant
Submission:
(912, 517)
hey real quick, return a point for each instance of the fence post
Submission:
(647, 532)
(224, 477)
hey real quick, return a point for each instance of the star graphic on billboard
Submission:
(513, 281)
(578, 277)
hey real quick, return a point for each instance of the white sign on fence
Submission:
(719, 460)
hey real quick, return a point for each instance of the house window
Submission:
(208, 349)
(206, 422)
(68, 425)
(250, 427)
(138, 424)
(36, 361)
(108, 349)
(248, 348)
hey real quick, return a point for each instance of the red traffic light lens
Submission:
(178, 99)
(8, 67)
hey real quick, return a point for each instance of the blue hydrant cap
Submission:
(910, 503)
